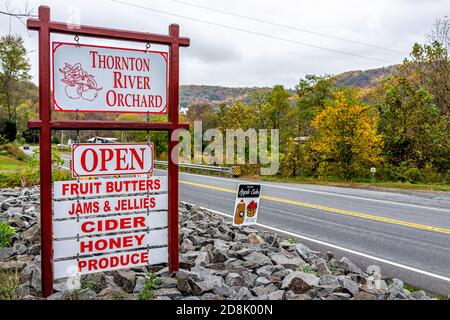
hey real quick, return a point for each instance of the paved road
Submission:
(406, 234)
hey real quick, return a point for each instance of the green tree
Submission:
(313, 93)
(413, 128)
(14, 70)
(345, 142)
(276, 107)
(429, 65)
(131, 136)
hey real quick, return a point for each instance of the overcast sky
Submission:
(220, 54)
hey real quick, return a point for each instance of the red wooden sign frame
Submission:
(45, 125)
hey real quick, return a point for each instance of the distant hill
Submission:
(366, 78)
(190, 94)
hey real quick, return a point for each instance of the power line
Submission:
(287, 26)
(249, 31)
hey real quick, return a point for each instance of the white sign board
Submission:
(91, 78)
(105, 225)
(108, 187)
(106, 206)
(109, 159)
(107, 244)
(247, 204)
(109, 262)
(110, 223)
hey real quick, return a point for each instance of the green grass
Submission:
(410, 288)
(8, 163)
(11, 158)
(353, 184)
(6, 232)
(62, 150)
(308, 269)
(291, 240)
(9, 281)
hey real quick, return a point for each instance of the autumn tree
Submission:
(14, 70)
(414, 129)
(345, 142)
(429, 65)
(202, 111)
(313, 93)
(290, 161)
(237, 116)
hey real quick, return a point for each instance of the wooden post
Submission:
(172, 168)
(45, 153)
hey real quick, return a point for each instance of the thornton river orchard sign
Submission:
(104, 79)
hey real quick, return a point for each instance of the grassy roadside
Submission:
(364, 185)
(10, 164)
(12, 161)
(16, 171)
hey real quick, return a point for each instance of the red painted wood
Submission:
(107, 125)
(174, 31)
(99, 32)
(45, 153)
(45, 125)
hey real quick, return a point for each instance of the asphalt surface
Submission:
(399, 232)
(406, 234)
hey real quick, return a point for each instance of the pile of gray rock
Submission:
(217, 261)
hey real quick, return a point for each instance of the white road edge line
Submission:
(320, 192)
(395, 264)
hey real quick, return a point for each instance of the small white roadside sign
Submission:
(247, 204)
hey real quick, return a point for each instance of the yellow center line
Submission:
(329, 209)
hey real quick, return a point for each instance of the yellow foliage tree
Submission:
(345, 142)
(237, 116)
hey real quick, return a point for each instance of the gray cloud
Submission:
(229, 57)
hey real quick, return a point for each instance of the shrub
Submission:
(6, 233)
(10, 130)
(10, 180)
(3, 139)
(10, 149)
(55, 139)
(151, 282)
(30, 174)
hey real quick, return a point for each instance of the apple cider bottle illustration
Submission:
(239, 213)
